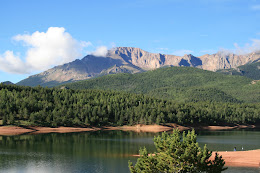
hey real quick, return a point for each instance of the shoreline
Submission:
(15, 130)
(250, 158)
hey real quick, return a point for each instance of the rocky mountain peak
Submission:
(127, 49)
(188, 56)
(134, 60)
(128, 52)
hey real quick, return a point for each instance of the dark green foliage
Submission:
(251, 70)
(4, 120)
(176, 154)
(67, 107)
(183, 84)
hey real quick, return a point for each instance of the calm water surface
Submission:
(102, 151)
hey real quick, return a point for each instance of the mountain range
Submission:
(134, 60)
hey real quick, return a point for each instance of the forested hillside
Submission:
(183, 84)
(66, 107)
(249, 70)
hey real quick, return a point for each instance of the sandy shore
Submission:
(170, 126)
(241, 158)
(13, 130)
(226, 127)
(38, 130)
(141, 128)
(238, 158)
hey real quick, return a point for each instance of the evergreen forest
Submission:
(20, 105)
(182, 84)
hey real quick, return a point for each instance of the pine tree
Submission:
(176, 154)
(11, 119)
(4, 121)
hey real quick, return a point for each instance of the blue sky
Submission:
(83, 26)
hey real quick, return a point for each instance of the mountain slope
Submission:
(7, 83)
(132, 60)
(179, 83)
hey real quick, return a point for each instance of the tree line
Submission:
(66, 107)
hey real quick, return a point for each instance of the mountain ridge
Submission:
(132, 60)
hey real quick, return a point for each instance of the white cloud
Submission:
(182, 52)
(100, 51)
(12, 64)
(255, 7)
(224, 52)
(248, 48)
(45, 49)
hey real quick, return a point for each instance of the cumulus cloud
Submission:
(100, 51)
(248, 48)
(182, 52)
(44, 50)
(12, 63)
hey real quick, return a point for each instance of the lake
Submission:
(102, 151)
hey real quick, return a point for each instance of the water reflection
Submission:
(101, 151)
(227, 140)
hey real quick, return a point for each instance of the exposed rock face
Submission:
(139, 57)
(133, 60)
(225, 61)
(148, 61)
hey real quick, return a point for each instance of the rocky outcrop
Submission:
(133, 60)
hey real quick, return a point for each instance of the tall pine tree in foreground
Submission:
(177, 154)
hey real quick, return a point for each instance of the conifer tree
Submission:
(4, 122)
(177, 154)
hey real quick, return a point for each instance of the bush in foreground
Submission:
(177, 154)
